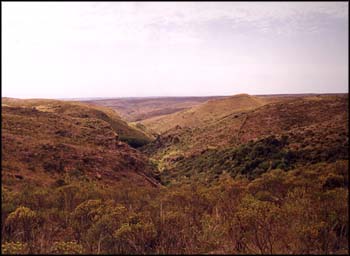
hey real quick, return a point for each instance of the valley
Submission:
(136, 109)
(175, 128)
(191, 175)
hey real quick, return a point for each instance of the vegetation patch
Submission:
(253, 159)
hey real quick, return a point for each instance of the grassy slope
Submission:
(315, 128)
(204, 113)
(46, 140)
(130, 134)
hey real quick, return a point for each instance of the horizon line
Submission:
(165, 96)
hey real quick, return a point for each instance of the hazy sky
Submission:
(116, 49)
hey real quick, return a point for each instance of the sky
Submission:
(140, 49)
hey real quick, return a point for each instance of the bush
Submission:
(22, 224)
(14, 248)
(67, 248)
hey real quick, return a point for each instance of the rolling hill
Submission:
(204, 113)
(314, 126)
(43, 141)
(129, 134)
(229, 178)
(137, 109)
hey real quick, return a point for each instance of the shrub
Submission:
(22, 224)
(66, 248)
(14, 248)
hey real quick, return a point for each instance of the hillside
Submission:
(44, 141)
(314, 129)
(129, 134)
(231, 180)
(137, 109)
(204, 113)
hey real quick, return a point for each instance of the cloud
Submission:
(144, 21)
(125, 45)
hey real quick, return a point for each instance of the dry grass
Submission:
(204, 113)
(44, 140)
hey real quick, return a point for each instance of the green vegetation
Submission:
(252, 159)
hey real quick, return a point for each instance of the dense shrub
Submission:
(302, 211)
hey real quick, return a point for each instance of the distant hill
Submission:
(45, 140)
(204, 113)
(137, 109)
